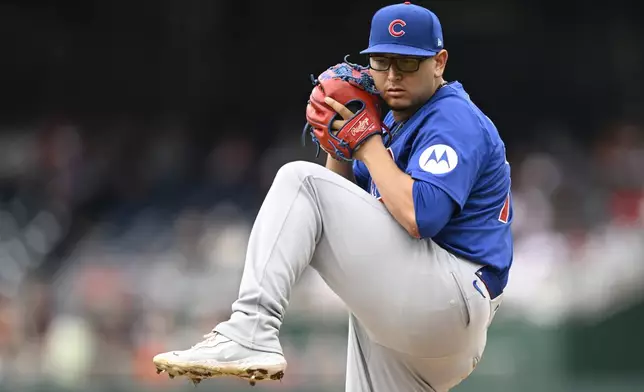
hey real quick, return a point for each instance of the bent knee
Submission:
(297, 171)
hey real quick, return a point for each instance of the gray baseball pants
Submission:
(417, 322)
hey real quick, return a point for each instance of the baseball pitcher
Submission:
(408, 223)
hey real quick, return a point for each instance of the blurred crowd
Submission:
(114, 248)
(138, 140)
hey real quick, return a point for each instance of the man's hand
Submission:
(346, 114)
(347, 84)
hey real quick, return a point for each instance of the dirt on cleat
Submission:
(277, 376)
(159, 371)
(195, 381)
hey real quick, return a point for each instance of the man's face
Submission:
(406, 82)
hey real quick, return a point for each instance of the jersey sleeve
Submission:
(362, 175)
(448, 152)
(433, 208)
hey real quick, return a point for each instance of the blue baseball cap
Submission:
(405, 29)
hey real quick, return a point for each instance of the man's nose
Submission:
(393, 73)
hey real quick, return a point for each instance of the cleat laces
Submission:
(208, 342)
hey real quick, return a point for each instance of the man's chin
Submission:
(399, 107)
(398, 104)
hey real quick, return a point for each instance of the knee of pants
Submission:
(296, 171)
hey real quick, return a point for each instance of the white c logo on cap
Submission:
(392, 27)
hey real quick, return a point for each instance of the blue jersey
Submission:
(452, 145)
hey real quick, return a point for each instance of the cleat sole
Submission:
(197, 372)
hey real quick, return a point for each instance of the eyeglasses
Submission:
(403, 64)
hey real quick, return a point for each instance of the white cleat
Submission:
(219, 356)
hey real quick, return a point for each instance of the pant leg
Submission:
(402, 290)
(373, 368)
(307, 205)
(358, 378)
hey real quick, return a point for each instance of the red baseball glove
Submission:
(352, 86)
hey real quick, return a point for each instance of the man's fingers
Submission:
(338, 107)
(337, 124)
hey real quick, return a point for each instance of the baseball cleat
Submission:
(219, 356)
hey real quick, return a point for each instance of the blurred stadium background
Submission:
(138, 138)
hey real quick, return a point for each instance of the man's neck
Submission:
(403, 115)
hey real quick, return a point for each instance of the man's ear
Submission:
(441, 62)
